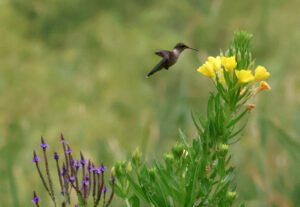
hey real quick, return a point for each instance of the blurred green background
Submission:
(79, 67)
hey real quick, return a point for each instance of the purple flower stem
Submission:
(100, 186)
(59, 176)
(47, 169)
(66, 184)
(94, 184)
(83, 166)
(41, 175)
(64, 148)
(112, 193)
(72, 184)
(104, 195)
(89, 164)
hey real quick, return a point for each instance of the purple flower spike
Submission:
(85, 182)
(113, 179)
(98, 170)
(71, 179)
(76, 165)
(76, 205)
(43, 145)
(36, 158)
(35, 198)
(90, 168)
(83, 162)
(63, 170)
(56, 156)
(104, 190)
(69, 150)
(62, 139)
(103, 168)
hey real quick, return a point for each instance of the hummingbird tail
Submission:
(158, 67)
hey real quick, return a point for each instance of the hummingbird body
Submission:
(169, 58)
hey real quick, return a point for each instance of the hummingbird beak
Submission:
(193, 49)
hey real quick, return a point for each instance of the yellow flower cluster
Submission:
(210, 67)
(213, 67)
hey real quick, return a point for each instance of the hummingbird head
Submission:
(181, 46)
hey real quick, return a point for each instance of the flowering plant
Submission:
(200, 174)
(82, 176)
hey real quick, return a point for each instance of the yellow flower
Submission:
(207, 69)
(216, 61)
(229, 62)
(261, 73)
(264, 86)
(244, 76)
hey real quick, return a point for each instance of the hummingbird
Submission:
(169, 58)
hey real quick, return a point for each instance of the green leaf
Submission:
(237, 132)
(233, 122)
(134, 201)
(183, 137)
(196, 124)
(137, 189)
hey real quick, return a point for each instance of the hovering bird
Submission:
(169, 58)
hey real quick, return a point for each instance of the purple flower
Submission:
(83, 162)
(98, 170)
(44, 145)
(56, 156)
(104, 190)
(113, 179)
(103, 168)
(69, 150)
(72, 178)
(86, 180)
(90, 168)
(76, 205)
(63, 170)
(36, 158)
(35, 198)
(76, 164)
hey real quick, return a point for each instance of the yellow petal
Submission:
(261, 73)
(216, 61)
(244, 76)
(207, 69)
(229, 63)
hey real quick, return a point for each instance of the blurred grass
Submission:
(79, 68)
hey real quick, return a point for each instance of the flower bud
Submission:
(250, 107)
(224, 147)
(113, 171)
(177, 150)
(231, 194)
(136, 157)
(129, 167)
(264, 86)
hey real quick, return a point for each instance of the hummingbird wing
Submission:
(163, 53)
(158, 67)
